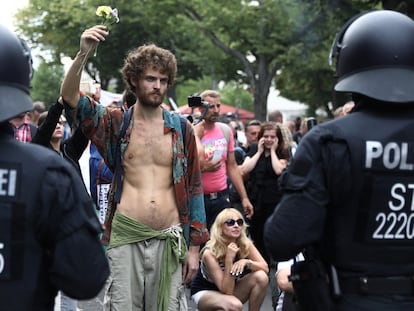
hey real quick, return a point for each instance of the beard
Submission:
(153, 99)
(212, 118)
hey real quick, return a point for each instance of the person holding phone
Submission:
(261, 168)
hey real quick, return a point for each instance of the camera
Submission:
(194, 100)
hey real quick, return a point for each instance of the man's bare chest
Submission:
(149, 147)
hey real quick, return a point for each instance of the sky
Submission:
(8, 8)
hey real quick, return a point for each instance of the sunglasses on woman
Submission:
(232, 222)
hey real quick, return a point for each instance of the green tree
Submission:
(46, 83)
(264, 37)
(55, 26)
(249, 42)
(306, 75)
(235, 94)
(256, 37)
(232, 93)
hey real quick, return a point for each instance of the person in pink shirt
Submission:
(218, 161)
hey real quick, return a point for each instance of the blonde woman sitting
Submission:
(232, 271)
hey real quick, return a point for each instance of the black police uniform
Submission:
(48, 229)
(350, 187)
(349, 190)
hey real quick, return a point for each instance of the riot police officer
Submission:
(349, 190)
(48, 229)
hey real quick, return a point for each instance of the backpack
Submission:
(226, 131)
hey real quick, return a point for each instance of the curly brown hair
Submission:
(148, 56)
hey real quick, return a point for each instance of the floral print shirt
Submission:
(102, 125)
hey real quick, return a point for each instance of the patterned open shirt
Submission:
(102, 125)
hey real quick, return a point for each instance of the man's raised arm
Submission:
(71, 83)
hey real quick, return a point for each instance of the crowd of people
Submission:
(221, 208)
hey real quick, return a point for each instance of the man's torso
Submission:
(148, 193)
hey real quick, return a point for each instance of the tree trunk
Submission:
(260, 101)
(262, 82)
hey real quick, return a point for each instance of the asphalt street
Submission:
(96, 304)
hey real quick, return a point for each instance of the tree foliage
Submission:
(306, 74)
(256, 43)
(56, 26)
(46, 83)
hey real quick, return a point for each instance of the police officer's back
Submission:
(48, 229)
(348, 192)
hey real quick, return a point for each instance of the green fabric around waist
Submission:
(126, 230)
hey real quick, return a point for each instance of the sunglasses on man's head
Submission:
(232, 222)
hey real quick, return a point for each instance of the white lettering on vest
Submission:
(8, 182)
(392, 155)
(398, 222)
(401, 193)
(1, 259)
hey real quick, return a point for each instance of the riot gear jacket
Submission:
(349, 187)
(48, 230)
(349, 192)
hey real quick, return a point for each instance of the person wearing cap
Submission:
(348, 191)
(48, 228)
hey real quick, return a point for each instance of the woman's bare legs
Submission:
(216, 301)
(252, 288)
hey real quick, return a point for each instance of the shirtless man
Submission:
(161, 209)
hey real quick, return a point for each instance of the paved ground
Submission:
(96, 304)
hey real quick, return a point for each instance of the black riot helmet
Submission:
(15, 74)
(374, 55)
